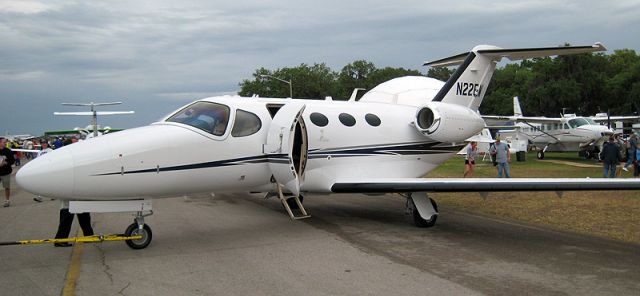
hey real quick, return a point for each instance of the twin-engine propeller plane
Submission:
(290, 147)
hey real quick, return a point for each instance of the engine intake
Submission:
(448, 123)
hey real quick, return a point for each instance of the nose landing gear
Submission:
(138, 227)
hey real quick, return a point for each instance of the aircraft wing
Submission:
(24, 150)
(523, 119)
(481, 185)
(630, 118)
(114, 112)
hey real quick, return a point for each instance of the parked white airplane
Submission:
(566, 133)
(93, 113)
(297, 146)
(20, 137)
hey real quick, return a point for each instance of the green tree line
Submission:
(585, 84)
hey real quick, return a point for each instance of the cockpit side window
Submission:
(246, 123)
(207, 116)
(578, 122)
(573, 123)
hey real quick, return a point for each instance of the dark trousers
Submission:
(66, 219)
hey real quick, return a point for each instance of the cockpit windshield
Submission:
(207, 116)
(580, 121)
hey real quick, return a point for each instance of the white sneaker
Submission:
(625, 169)
(38, 198)
(6, 204)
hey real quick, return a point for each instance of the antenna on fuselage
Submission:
(93, 112)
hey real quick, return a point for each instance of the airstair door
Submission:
(287, 146)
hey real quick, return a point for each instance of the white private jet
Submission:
(289, 147)
(566, 133)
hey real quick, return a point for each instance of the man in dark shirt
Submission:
(6, 161)
(610, 156)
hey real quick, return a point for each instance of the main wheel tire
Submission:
(423, 223)
(587, 154)
(145, 232)
(540, 155)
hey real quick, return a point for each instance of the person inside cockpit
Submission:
(207, 116)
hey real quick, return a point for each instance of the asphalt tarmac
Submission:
(353, 245)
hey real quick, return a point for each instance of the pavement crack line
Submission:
(105, 267)
(121, 292)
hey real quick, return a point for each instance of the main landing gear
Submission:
(138, 227)
(423, 209)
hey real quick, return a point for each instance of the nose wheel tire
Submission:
(540, 154)
(134, 230)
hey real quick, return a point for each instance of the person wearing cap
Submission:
(503, 157)
(44, 148)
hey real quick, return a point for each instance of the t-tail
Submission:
(468, 84)
(452, 116)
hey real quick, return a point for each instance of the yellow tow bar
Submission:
(81, 239)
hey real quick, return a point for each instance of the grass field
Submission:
(612, 214)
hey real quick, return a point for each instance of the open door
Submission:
(287, 146)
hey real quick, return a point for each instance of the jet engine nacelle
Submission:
(448, 123)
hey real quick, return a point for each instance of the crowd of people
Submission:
(615, 151)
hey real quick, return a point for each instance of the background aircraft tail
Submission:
(517, 111)
(468, 84)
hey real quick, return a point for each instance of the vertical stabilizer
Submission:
(468, 84)
(517, 111)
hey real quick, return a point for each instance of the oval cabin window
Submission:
(319, 119)
(372, 119)
(347, 119)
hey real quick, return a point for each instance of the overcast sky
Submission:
(159, 55)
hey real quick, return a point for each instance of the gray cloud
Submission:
(157, 56)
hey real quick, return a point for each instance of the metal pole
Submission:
(281, 80)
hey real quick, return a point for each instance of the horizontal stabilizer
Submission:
(515, 54)
(92, 104)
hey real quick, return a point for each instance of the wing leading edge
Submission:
(482, 185)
